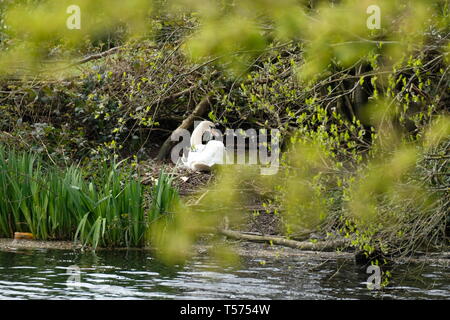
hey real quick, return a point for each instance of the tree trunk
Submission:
(199, 111)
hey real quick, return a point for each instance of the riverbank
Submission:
(241, 248)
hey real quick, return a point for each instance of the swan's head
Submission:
(199, 131)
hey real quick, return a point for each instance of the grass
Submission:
(56, 204)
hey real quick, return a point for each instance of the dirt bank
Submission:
(242, 248)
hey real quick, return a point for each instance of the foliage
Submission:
(55, 204)
(363, 113)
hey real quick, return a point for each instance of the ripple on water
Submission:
(136, 275)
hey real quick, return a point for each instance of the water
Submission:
(43, 274)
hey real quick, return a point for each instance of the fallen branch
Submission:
(199, 111)
(301, 245)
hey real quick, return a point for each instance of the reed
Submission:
(164, 197)
(115, 215)
(165, 201)
(62, 204)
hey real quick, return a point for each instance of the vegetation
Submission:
(165, 197)
(363, 114)
(56, 204)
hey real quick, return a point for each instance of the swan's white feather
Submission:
(203, 157)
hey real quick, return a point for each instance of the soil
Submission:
(241, 248)
(191, 186)
(14, 244)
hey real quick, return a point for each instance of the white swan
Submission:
(202, 157)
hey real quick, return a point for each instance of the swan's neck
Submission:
(197, 136)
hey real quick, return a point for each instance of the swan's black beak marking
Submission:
(220, 127)
(216, 133)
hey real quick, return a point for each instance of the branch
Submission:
(301, 245)
(188, 90)
(96, 56)
(90, 58)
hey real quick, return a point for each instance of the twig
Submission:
(96, 56)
